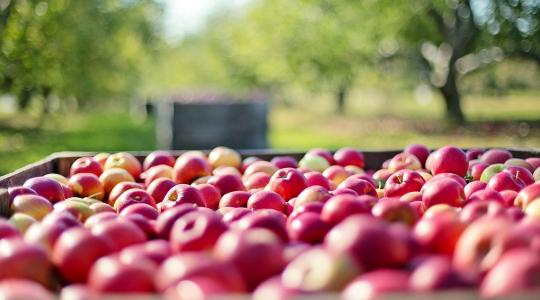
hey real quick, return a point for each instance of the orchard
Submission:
(206, 225)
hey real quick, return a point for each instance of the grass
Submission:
(373, 121)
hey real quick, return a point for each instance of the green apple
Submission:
(314, 163)
(491, 171)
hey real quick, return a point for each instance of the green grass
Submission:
(373, 121)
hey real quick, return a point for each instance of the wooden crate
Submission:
(60, 163)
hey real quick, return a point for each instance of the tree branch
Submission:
(439, 21)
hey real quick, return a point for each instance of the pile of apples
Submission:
(205, 225)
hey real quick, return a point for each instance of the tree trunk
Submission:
(452, 98)
(24, 98)
(341, 96)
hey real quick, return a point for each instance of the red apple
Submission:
(180, 194)
(403, 182)
(474, 153)
(393, 210)
(342, 191)
(166, 219)
(478, 209)
(86, 185)
(360, 186)
(126, 161)
(77, 291)
(336, 174)
(24, 289)
(439, 233)
(452, 176)
(189, 168)
(516, 272)
(75, 252)
(448, 159)
(112, 276)
(308, 227)
(505, 181)
(377, 284)
(159, 188)
(261, 166)
(235, 214)
(19, 190)
(210, 194)
(101, 158)
(369, 241)
(287, 182)
(403, 161)
(521, 173)
(273, 288)
(339, 207)
(508, 197)
(316, 178)
(518, 162)
(111, 177)
(157, 158)
(411, 197)
(436, 273)
(444, 190)
(477, 169)
(312, 194)
(472, 187)
(196, 231)
(160, 171)
(120, 188)
(248, 161)
(133, 196)
(528, 195)
(146, 225)
(143, 209)
(21, 260)
(156, 251)
(349, 157)
(257, 181)
(254, 247)
(227, 183)
(86, 165)
(496, 156)
(534, 162)
(7, 230)
(32, 205)
(235, 199)
(314, 207)
(284, 162)
(266, 199)
(223, 156)
(100, 218)
(327, 155)
(420, 151)
(197, 288)
(266, 219)
(46, 187)
(120, 233)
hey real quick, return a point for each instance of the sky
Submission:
(187, 16)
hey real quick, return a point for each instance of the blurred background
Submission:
(374, 74)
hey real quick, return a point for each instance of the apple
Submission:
(317, 178)
(126, 161)
(260, 166)
(120, 233)
(19, 190)
(315, 207)
(146, 225)
(336, 174)
(439, 209)
(349, 156)
(411, 197)
(444, 190)
(21, 221)
(534, 162)
(287, 182)
(472, 187)
(496, 156)
(157, 158)
(197, 288)
(527, 195)
(518, 162)
(318, 270)
(248, 161)
(486, 195)
(45, 235)
(223, 156)
(159, 171)
(536, 174)
(46, 187)
(223, 170)
(227, 183)
(86, 185)
(491, 171)
(235, 199)
(437, 273)
(33, 205)
(342, 191)
(180, 194)
(533, 209)
(376, 284)
(100, 218)
(360, 186)
(158, 188)
(505, 181)
(403, 182)
(57, 177)
(476, 250)
(266, 199)
(188, 168)
(131, 197)
(257, 253)
(308, 227)
(339, 207)
(273, 288)
(60, 218)
(75, 252)
(196, 231)
(448, 159)
(282, 162)
(474, 153)
(521, 173)
(314, 163)
(156, 251)
(516, 272)
(187, 265)
(111, 177)
(101, 158)
(8, 230)
(166, 219)
(477, 169)
(439, 233)
(76, 291)
(22, 260)
(120, 188)
(478, 209)
(368, 240)
(77, 207)
(257, 181)
(393, 210)
(363, 176)
(509, 197)
(23, 289)
(210, 194)
(312, 194)
(264, 218)
(420, 151)
(452, 176)
(327, 155)
(86, 165)
(404, 161)
(234, 214)
(112, 276)
(381, 176)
